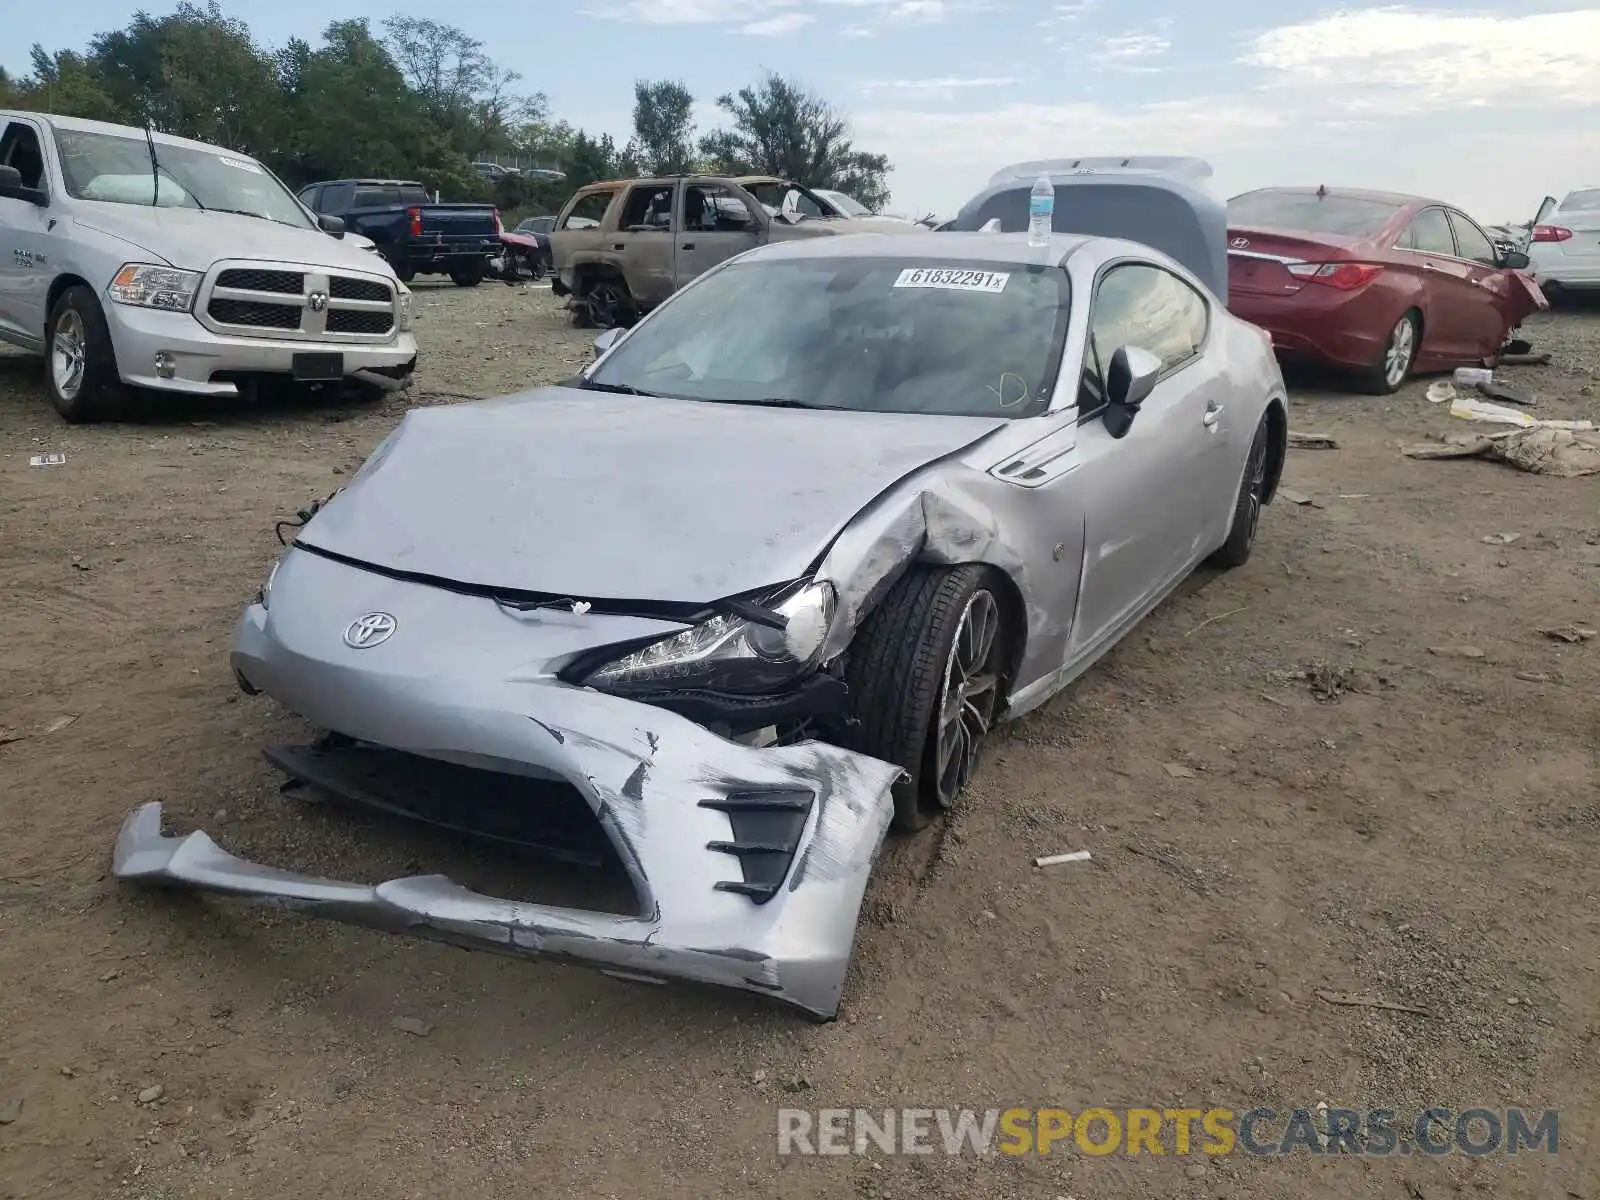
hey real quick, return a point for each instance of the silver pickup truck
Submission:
(132, 259)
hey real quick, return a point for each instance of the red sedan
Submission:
(1380, 283)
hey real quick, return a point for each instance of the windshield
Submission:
(1584, 201)
(1306, 212)
(116, 169)
(872, 334)
(848, 205)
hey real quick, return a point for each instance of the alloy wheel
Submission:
(1255, 475)
(969, 696)
(1397, 358)
(68, 355)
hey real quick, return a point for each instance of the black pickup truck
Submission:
(417, 236)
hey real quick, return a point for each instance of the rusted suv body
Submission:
(623, 246)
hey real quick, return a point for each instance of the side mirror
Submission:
(11, 188)
(1130, 378)
(607, 339)
(332, 226)
(1514, 260)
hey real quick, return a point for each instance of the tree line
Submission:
(418, 99)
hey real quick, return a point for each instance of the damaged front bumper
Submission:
(749, 863)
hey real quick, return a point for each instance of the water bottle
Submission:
(1041, 212)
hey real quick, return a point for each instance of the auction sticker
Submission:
(239, 164)
(951, 280)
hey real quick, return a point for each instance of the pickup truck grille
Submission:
(343, 320)
(245, 312)
(289, 282)
(287, 301)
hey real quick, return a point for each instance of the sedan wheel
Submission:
(1235, 552)
(1394, 363)
(925, 675)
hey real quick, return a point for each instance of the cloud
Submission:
(904, 12)
(777, 26)
(1424, 60)
(691, 12)
(943, 88)
(1135, 45)
(1488, 110)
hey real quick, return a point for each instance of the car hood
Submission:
(194, 239)
(599, 496)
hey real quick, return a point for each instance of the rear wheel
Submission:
(1235, 552)
(469, 276)
(924, 680)
(81, 363)
(1393, 364)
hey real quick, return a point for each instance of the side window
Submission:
(647, 209)
(19, 148)
(369, 197)
(1144, 306)
(336, 198)
(588, 212)
(1472, 242)
(1429, 233)
(311, 197)
(803, 204)
(713, 208)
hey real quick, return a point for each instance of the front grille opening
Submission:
(342, 287)
(346, 320)
(391, 814)
(288, 282)
(248, 312)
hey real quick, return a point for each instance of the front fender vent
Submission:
(767, 827)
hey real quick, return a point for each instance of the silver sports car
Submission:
(757, 583)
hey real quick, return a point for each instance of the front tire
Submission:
(925, 677)
(1393, 365)
(80, 361)
(609, 304)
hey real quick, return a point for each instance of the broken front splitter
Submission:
(791, 942)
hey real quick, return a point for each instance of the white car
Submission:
(1564, 251)
(132, 259)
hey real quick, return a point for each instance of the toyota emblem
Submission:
(369, 631)
(317, 301)
(1239, 243)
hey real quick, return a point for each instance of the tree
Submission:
(663, 127)
(781, 128)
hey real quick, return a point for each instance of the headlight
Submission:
(265, 598)
(150, 286)
(403, 307)
(729, 653)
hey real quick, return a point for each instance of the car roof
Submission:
(81, 125)
(1010, 248)
(1346, 193)
(655, 180)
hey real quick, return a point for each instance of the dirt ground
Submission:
(1294, 779)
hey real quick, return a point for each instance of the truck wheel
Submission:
(81, 363)
(403, 270)
(469, 276)
(609, 304)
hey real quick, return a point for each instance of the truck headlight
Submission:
(402, 300)
(729, 653)
(149, 286)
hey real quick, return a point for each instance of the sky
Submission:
(1486, 107)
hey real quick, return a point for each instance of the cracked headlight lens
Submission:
(730, 653)
(145, 285)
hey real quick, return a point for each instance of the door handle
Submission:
(618, 246)
(1428, 266)
(687, 246)
(1213, 411)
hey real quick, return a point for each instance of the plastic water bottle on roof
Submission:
(1041, 212)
